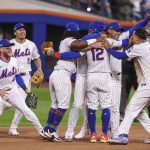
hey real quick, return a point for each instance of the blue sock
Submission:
(51, 115)
(105, 120)
(59, 113)
(92, 120)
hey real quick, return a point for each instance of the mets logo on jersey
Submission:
(18, 53)
(6, 73)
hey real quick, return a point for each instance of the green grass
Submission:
(42, 110)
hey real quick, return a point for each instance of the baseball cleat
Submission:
(147, 141)
(69, 136)
(120, 140)
(46, 131)
(81, 134)
(13, 132)
(55, 137)
(104, 138)
(93, 138)
(43, 135)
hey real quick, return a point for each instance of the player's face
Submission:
(134, 38)
(20, 33)
(114, 34)
(7, 52)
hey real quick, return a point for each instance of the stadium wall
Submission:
(41, 18)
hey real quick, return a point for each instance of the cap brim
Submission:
(11, 44)
(25, 27)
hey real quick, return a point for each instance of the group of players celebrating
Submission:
(96, 58)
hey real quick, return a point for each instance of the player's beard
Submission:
(7, 55)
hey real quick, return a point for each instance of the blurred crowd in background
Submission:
(130, 10)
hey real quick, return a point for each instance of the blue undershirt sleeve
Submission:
(118, 55)
(141, 24)
(125, 42)
(70, 55)
(20, 82)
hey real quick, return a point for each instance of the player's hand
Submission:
(105, 43)
(3, 93)
(97, 45)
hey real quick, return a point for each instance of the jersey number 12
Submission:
(97, 54)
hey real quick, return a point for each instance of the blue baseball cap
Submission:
(5, 43)
(97, 26)
(72, 26)
(115, 26)
(18, 26)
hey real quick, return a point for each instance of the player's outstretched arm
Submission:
(118, 55)
(141, 24)
(67, 55)
(85, 43)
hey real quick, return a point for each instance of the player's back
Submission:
(98, 61)
(69, 65)
(8, 71)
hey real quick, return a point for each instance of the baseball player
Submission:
(140, 51)
(80, 90)
(9, 75)
(24, 51)
(113, 29)
(105, 116)
(60, 79)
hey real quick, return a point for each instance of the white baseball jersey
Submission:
(82, 65)
(98, 61)
(142, 54)
(69, 65)
(115, 64)
(25, 52)
(8, 70)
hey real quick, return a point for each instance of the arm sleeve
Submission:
(118, 55)
(68, 55)
(20, 82)
(141, 24)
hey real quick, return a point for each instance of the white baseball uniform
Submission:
(8, 71)
(60, 80)
(79, 97)
(141, 98)
(98, 79)
(116, 70)
(24, 53)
